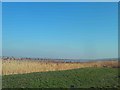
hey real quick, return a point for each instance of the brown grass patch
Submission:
(28, 66)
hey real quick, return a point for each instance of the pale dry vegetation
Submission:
(0, 67)
(28, 66)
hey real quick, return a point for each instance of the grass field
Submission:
(76, 78)
(29, 66)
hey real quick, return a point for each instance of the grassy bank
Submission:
(29, 66)
(78, 78)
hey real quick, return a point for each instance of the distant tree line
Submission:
(28, 58)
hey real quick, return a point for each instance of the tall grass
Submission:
(28, 66)
(0, 67)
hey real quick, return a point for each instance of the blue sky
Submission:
(60, 30)
(0, 29)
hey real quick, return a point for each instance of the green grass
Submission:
(77, 78)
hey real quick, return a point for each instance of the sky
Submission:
(60, 0)
(0, 29)
(60, 30)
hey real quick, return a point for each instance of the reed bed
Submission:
(29, 66)
(0, 68)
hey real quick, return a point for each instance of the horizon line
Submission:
(59, 58)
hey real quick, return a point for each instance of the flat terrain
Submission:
(29, 66)
(76, 78)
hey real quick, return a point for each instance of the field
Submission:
(29, 66)
(50, 74)
(77, 78)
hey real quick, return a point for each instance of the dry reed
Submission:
(28, 66)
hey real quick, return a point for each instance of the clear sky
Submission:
(0, 29)
(60, 30)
